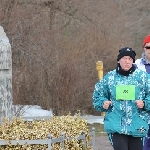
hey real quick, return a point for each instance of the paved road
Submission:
(90, 119)
(94, 119)
(102, 143)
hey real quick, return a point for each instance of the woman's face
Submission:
(126, 63)
(147, 50)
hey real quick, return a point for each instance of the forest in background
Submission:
(56, 44)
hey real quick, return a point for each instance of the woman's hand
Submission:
(106, 104)
(139, 103)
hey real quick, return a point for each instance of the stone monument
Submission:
(6, 108)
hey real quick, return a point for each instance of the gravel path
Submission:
(102, 143)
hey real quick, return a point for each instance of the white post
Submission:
(6, 109)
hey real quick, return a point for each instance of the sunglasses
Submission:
(147, 47)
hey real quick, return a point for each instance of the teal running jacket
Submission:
(123, 116)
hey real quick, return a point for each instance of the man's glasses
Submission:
(147, 47)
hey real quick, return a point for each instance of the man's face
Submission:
(126, 63)
(147, 50)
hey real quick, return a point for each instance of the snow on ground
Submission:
(35, 111)
(30, 112)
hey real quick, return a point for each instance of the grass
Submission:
(99, 129)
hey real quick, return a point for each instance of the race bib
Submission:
(125, 92)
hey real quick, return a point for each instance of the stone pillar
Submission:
(6, 108)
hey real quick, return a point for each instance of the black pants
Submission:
(126, 142)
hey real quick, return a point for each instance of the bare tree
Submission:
(56, 45)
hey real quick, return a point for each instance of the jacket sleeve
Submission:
(100, 94)
(147, 97)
